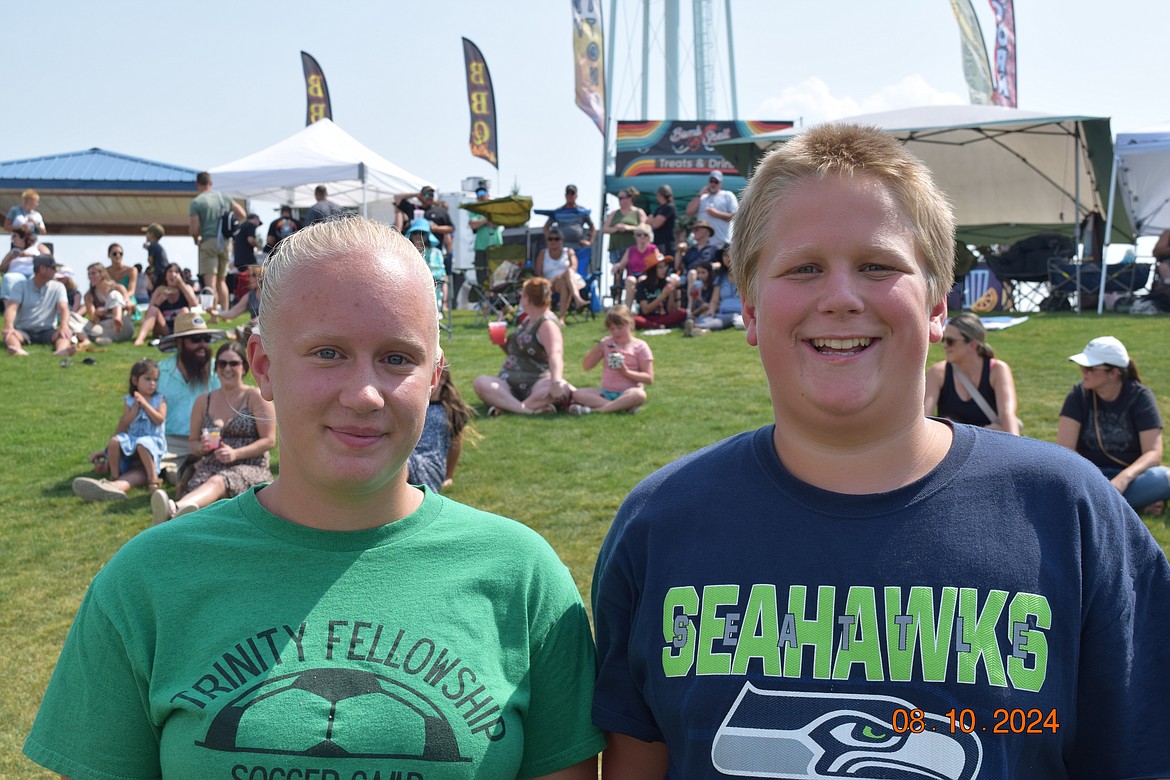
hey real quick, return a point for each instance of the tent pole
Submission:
(1077, 209)
(1108, 232)
(362, 174)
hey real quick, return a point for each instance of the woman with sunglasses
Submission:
(1112, 419)
(620, 227)
(971, 386)
(234, 453)
(558, 264)
(634, 264)
(125, 275)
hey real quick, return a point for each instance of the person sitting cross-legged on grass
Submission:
(137, 447)
(628, 366)
(1112, 419)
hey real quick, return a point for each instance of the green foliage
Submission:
(562, 475)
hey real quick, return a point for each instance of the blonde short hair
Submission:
(845, 150)
(335, 241)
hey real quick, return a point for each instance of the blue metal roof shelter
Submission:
(97, 192)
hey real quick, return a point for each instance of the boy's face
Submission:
(843, 318)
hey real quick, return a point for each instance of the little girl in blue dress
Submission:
(138, 445)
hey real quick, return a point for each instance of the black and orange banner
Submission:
(481, 100)
(1005, 53)
(316, 91)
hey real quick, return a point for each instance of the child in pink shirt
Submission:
(628, 365)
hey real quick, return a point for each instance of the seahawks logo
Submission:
(810, 736)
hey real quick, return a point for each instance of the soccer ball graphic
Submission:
(334, 713)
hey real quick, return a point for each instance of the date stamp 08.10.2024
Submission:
(1002, 721)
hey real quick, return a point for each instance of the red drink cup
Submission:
(497, 332)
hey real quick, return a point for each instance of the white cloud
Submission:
(812, 100)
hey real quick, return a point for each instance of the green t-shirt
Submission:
(488, 236)
(209, 207)
(234, 644)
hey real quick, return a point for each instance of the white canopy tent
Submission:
(1010, 173)
(321, 153)
(1143, 173)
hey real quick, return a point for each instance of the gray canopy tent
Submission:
(1010, 174)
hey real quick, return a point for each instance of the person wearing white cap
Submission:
(1112, 419)
(716, 206)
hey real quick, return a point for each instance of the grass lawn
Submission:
(562, 475)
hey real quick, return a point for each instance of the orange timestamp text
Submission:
(1005, 721)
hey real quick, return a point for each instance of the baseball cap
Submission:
(1102, 351)
(428, 190)
(571, 188)
(717, 175)
(45, 261)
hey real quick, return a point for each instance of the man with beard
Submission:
(182, 377)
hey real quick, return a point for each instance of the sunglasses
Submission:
(554, 238)
(951, 341)
(115, 254)
(641, 235)
(714, 181)
(198, 339)
(227, 363)
(623, 196)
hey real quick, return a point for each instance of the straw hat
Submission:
(189, 323)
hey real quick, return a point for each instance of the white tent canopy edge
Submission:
(321, 153)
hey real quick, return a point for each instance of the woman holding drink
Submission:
(235, 453)
(531, 381)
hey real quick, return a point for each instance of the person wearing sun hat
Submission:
(1112, 419)
(186, 375)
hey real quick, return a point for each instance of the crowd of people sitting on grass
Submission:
(194, 418)
(848, 490)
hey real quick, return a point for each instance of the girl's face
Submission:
(115, 254)
(620, 333)
(702, 274)
(147, 383)
(174, 277)
(94, 275)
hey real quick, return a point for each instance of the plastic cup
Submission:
(212, 436)
(498, 333)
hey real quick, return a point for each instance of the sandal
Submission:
(493, 412)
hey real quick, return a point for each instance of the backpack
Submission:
(229, 224)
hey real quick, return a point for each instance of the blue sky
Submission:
(200, 86)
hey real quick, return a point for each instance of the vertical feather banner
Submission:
(481, 101)
(316, 91)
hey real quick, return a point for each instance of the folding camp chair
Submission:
(1024, 268)
(496, 290)
(1084, 280)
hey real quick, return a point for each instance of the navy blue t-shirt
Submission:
(1004, 616)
